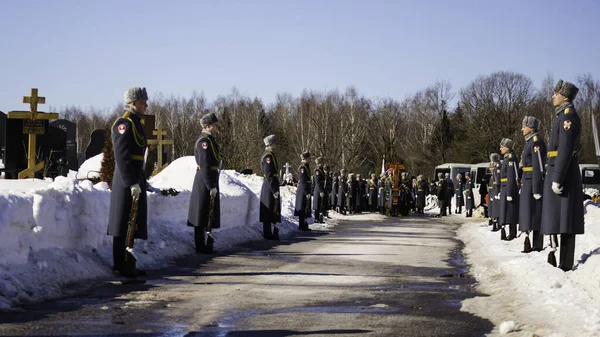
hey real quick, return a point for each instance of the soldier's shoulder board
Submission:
(510, 155)
(535, 138)
(567, 110)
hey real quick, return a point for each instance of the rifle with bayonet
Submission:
(131, 227)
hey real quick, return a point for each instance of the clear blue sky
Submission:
(86, 53)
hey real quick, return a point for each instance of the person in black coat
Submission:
(328, 189)
(362, 192)
(483, 192)
(422, 191)
(449, 192)
(334, 191)
(206, 186)
(441, 194)
(303, 191)
(469, 198)
(562, 210)
(318, 183)
(459, 189)
(509, 189)
(494, 196)
(270, 201)
(129, 179)
(533, 162)
(342, 190)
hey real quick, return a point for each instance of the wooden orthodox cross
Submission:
(159, 141)
(33, 124)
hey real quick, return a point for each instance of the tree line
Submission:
(429, 127)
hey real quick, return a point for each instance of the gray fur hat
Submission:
(567, 89)
(459, 176)
(507, 142)
(269, 140)
(440, 175)
(135, 94)
(467, 174)
(319, 160)
(531, 122)
(208, 119)
(305, 155)
(495, 157)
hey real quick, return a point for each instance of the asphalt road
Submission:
(402, 277)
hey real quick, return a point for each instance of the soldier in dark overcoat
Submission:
(422, 191)
(469, 197)
(373, 187)
(533, 161)
(270, 202)
(458, 191)
(302, 209)
(362, 193)
(129, 179)
(449, 192)
(328, 187)
(206, 185)
(483, 192)
(334, 191)
(562, 210)
(495, 192)
(318, 183)
(442, 191)
(352, 186)
(509, 188)
(381, 193)
(342, 190)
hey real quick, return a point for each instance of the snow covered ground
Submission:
(53, 234)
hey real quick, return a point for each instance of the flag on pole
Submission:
(383, 165)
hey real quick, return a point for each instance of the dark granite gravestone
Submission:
(53, 151)
(96, 144)
(149, 126)
(15, 147)
(71, 133)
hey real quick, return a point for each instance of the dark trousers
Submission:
(537, 242)
(199, 238)
(469, 212)
(512, 231)
(267, 233)
(449, 205)
(301, 222)
(442, 207)
(567, 251)
(119, 263)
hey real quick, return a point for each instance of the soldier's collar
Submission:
(529, 136)
(563, 107)
(207, 132)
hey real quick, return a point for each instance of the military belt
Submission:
(137, 157)
(552, 154)
(504, 180)
(527, 169)
(494, 183)
(212, 168)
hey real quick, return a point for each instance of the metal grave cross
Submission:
(287, 167)
(159, 141)
(33, 124)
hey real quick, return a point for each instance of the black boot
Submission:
(275, 235)
(503, 234)
(527, 245)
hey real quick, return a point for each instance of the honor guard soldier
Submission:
(469, 198)
(562, 210)
(533, 162)
(319, 190)
(442, 191)
(362, 193)
(373, 188)
(129, 180)
(509, 190)
(328, 188)
(459, 189)
(342, 190)
(270, 203)
(204, 212)
(449, 192)
(302, 209)
(494, 196)
(334, 191)
(422, 191)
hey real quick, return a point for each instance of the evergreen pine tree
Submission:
(108, 161)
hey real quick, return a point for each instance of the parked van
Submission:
(453, 169)
(480, 172)
(590, 175)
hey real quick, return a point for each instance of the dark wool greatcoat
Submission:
(328, 182)
(129, 145)
(381, 192)
(318, 183)
(373, 190)
(303, 191)
(469, 198)
(563, 213)
(422, 191)
(270, 209)
(362, 192)
(509, 210)
(459, 189)
(342, 190)
(334, 192)
(533, 162)
(208, 160)
(495, 193)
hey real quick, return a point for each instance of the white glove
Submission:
(276, 195)
(556, 188)
(498, 197)
(509, 198)
(321, 194)
(537, 196)
(213, 192)
(136, 190)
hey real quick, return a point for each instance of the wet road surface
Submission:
(401, 277)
